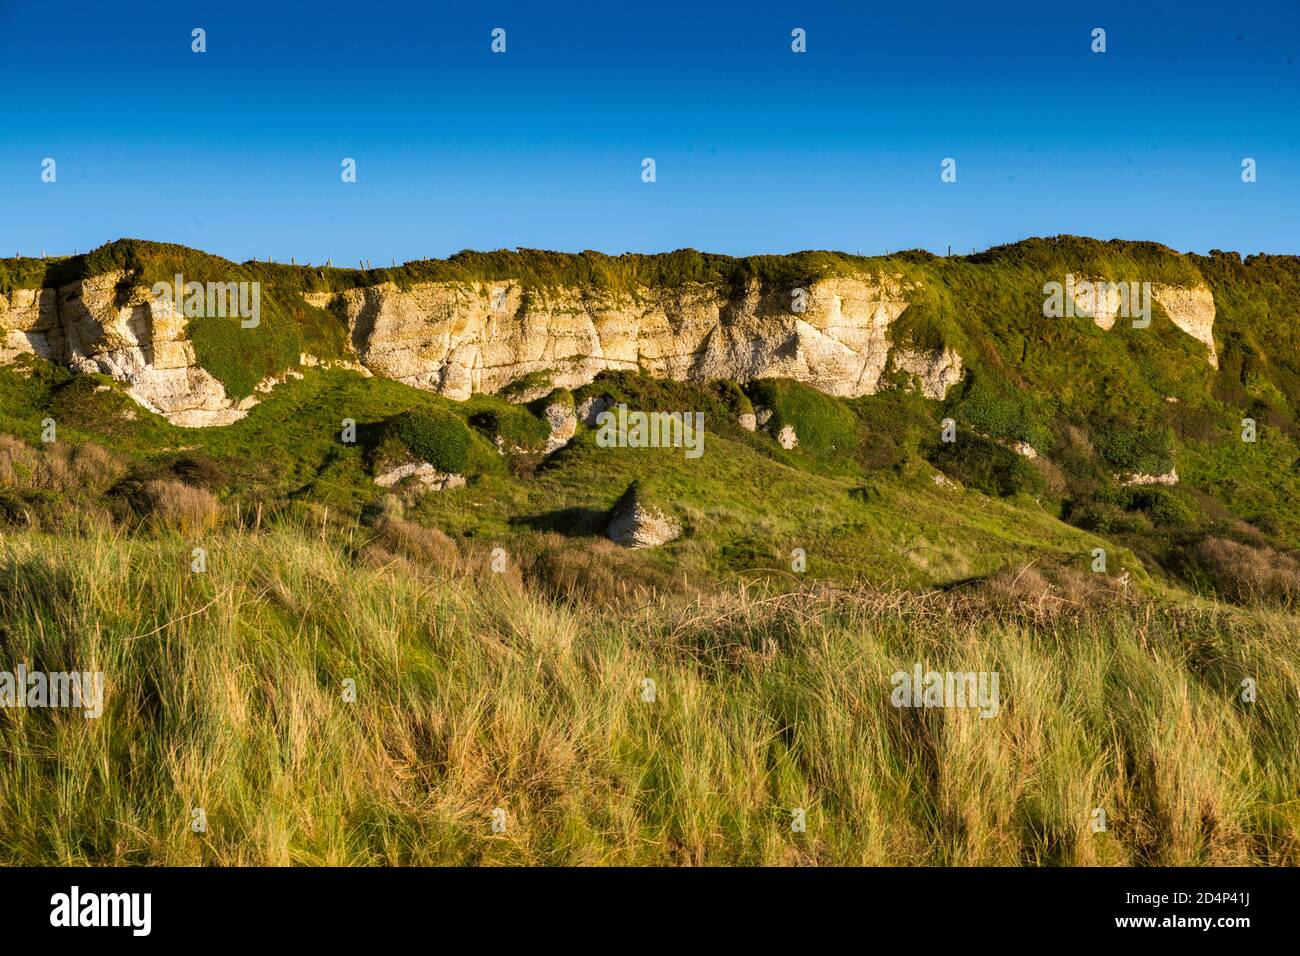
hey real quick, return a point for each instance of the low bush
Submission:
(1134, 446)
(439, 438)
(516, 425)
(733, 396)
(981, 463)
(1166, 507)
(1105, 517)
(999, 412)
(82, 470)
(425, 546)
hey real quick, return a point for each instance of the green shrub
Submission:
(1106, 517)
(1165, 506)
(996, 410)
(439, 438)
(892, 425)
(733, 396)
(981, 463)
(1134, 446)
(1201, 423)
(517, 426)
(24, 272)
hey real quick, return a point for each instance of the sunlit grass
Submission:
(477, 690)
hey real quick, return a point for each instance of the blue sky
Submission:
(237, 150)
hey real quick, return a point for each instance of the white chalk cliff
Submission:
(458, 339)
(461, 338)
(92, 326)
(1190, 308)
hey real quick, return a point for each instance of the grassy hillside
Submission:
(499, 643)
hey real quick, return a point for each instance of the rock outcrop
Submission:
(458, 339)
(94, 326)
(589, 411)
(933, 371)
(1191, 308)
(1169, 478)
(423, 474)
(563, 421)
(635, 522)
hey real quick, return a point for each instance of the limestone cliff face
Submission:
(1190, 308)
(92, 326)
(460, 339)
(933, 372)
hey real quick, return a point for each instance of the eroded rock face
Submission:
(26, 317)
(1192, 310)
(459, 339)
(91, 326)
(933, 371)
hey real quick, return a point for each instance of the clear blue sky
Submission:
(236, 151)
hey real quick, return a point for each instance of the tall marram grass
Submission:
(477, 690)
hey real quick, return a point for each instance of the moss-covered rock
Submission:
(528, 388)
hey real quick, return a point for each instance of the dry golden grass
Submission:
(1249, 574)
(82, 469)
(174, 504)
(478, 689)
